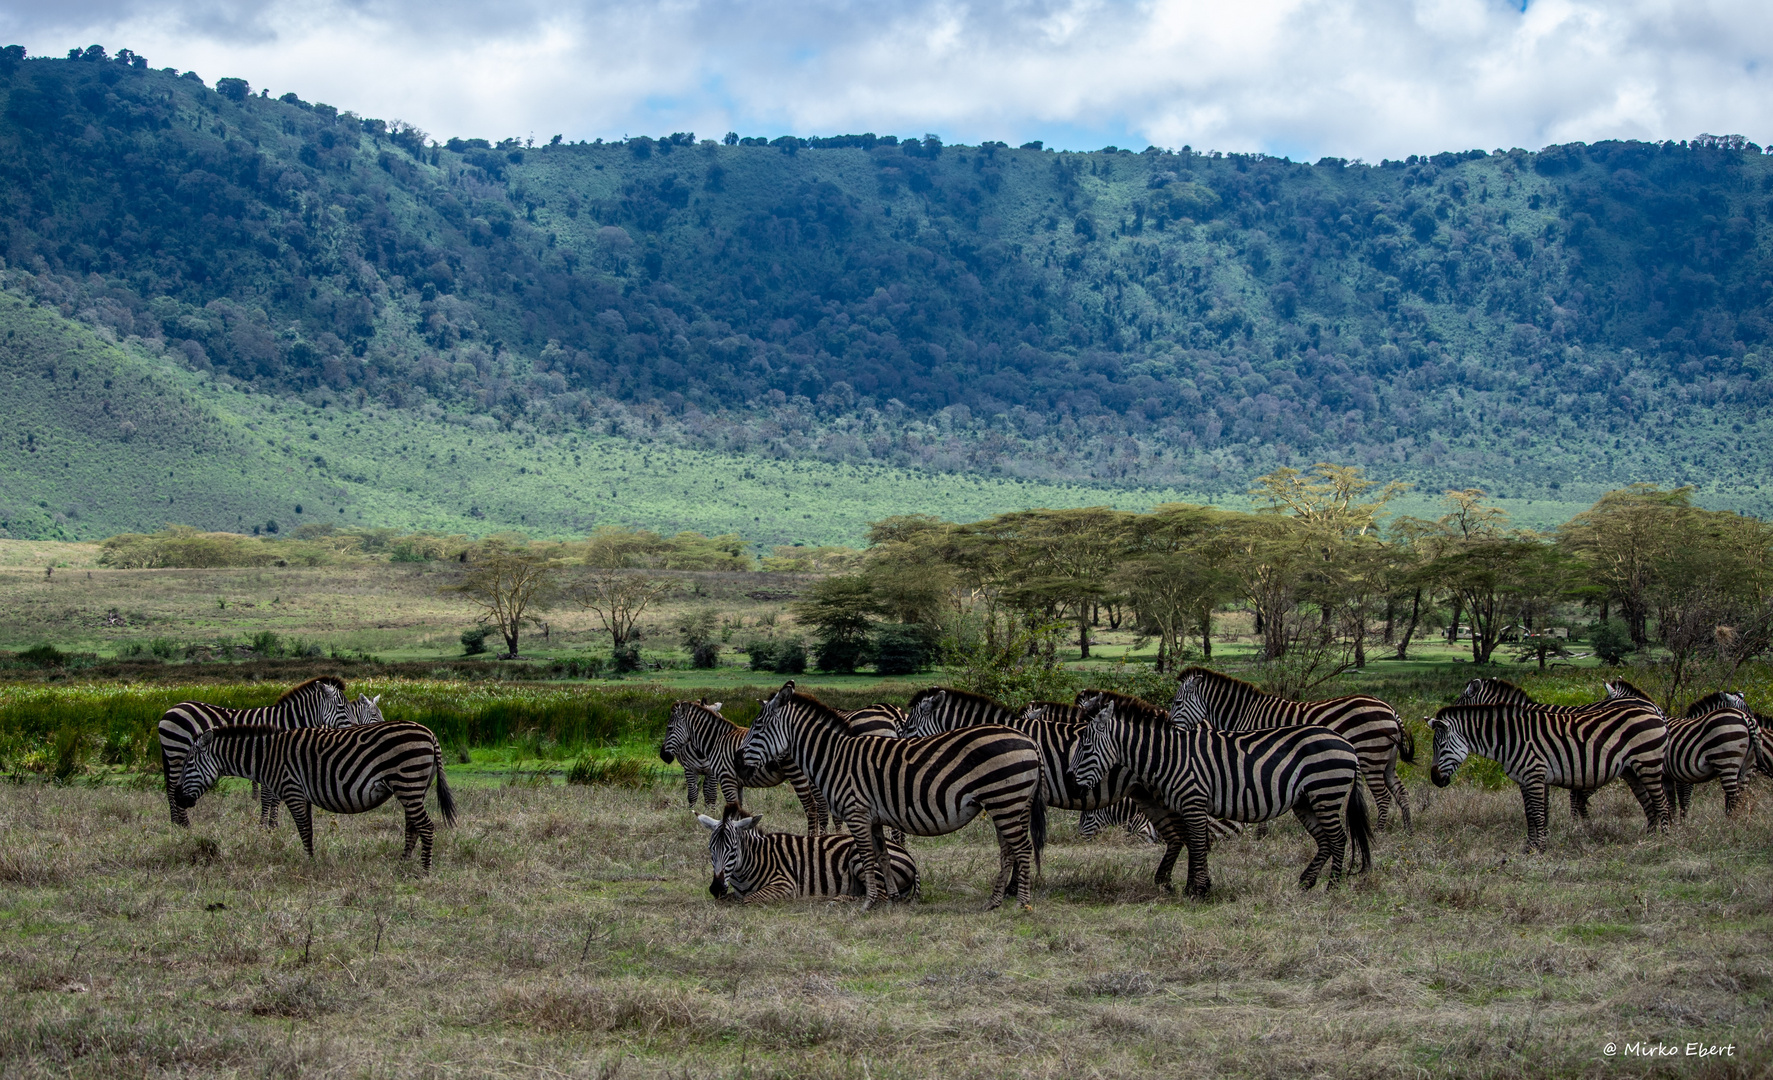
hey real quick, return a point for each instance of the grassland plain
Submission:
(568, 931)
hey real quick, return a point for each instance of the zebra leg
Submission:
(1261, 830)
(1396, 786)
(819, 818)
(1380, 785)
(1194, 832)
(418, 823)
(302, 813)
(1732, 792)
(1579, 803)
(267, 807)
(731, 792)
(1650, 798)
(179, 817)
(691, 780)
(1325, 827)
(710, 789)
(871, 846)
(1684, 795)
(1169, 826)
(1533, 796)
(1015, 855)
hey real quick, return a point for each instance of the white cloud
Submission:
(1305, 77)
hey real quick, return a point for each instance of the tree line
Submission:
(1327, 572)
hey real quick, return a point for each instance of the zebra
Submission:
(880, 719)
(319, 702)
(926, 786)
(345, 770)
(1054, 727)
(707, 745)
(1717, 739)
(1539, 747)
(754, 866)
(1368, 723)
(1199, 773)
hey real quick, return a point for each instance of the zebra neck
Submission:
(242, 757)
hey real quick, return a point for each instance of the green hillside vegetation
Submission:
(106, 439)
(1583, 316)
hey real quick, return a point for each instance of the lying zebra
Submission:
(345, 770)
(755, 866)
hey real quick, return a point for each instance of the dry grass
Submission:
(568, 931)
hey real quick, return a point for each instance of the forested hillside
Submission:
(1580, 317)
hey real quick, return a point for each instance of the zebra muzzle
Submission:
(666, 756)
(717, 887)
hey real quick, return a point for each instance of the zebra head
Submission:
(1619, 689)
(202, 768)
(676, 732)
(923, 721)
(1450, 749)
(1473, 694)
(1098, 749)
(728, 846)
(1188, 709)
(365, 710)
(766, 741)
(1088, 701)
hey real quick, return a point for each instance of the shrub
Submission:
(1610, 641)
(164, 648)
(839, 654)
(45, 655)
(625, 658)
(474, 640)
(705, 654)
(762, 654)
(790, 658)
(899, 649)
(267, 643)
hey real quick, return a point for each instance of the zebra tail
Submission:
(1360, 826)
(1037, 821)
(1406, 744)
(446, 802)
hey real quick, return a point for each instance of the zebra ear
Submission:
(707, 822)
(714, 707)
(748, 823)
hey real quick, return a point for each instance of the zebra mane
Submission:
(1619, 688)
(964, 695)
(1712, 702)
(330, 680)
(1223, 679)
(801, 697)
(703, 707)
(1127, 704)
(1508, 692)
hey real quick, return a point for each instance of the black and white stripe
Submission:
(1718, 740)
(1494, 691)
(319, 702)
(926, 786)
(707, 745)
(1371, 725)
(1055, 728)
(756, 866)
(345, 770)
(1199, 773)
(1540, 747)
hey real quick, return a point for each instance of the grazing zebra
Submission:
(319, 702)
(1055, 728)
(707, 744)
(1716, 740)
(926, 786)
(756, 866)
(1125, 813)
(345, 770)
(1200, 773)
(1539, 747)
(1368, 723)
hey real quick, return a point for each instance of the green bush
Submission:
(1610, 641)
(266, 643)
(164, 648)
(762, 654)
(899, 649)
(790, 658)
(474, 640)
(624, 772)
(45, 655)
(625, 658)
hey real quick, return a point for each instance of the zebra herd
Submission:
(313, 747)
(1222, 755)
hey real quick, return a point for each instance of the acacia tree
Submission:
(509, 585)
(618, 587)
(1622, 538)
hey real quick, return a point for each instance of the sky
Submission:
(1363, 79)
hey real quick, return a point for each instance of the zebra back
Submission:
(1706, 746)
(1061, 711)
(878, 719)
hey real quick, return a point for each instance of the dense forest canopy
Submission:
(1588, 314)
